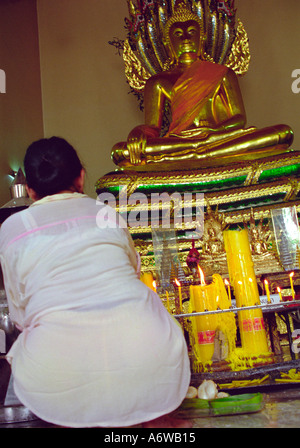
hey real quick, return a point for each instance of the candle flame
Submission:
(292, 274)
(154, 284)
(279, 292)
(201, 275)
(266, 282)
(226, 282)
(177, 282)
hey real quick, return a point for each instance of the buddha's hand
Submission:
(136, 144)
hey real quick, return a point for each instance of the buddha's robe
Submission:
(191, 92)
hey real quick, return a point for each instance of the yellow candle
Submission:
(241, 268)
(279, 292)
(228, 290)
(222, 297)
(292, 285)
(203, 298)
(203, 327)
(253, 289)
(240, 302)
(168, 300)
(180, 294)
(267, 290)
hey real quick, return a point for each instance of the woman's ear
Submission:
(79, 181)
(31, 193)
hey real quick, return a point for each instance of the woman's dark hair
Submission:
(51, 165)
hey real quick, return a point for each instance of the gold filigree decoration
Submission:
(135, 73)
(214, 225)
(239, 58)
(259, 235)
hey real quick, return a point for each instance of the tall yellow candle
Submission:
(292, 284)
(241, 268)
(279, 292)
(240, 289)
(267, 290)
(253, 286)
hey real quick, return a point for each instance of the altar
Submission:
(225, 206)
(212, 206)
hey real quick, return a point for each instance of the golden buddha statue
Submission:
(208, 115)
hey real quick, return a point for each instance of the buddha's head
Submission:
(183, 36)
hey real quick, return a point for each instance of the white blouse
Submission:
(97, 346)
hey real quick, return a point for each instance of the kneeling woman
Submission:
(97, 347)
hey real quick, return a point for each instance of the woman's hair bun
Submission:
(51, 165)
(46, 168)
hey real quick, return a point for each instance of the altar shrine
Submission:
(212, 206)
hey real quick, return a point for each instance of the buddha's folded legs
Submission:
(220, 145)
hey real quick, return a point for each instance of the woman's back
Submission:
(97, 346)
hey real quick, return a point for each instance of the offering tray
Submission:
(233, 405)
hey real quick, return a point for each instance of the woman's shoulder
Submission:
(11, 228)
(12, 220)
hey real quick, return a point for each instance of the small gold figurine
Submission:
(208, 116)
(259, 235)
(193, 261)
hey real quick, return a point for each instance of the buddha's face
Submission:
(185, 40)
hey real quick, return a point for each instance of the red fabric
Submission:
(191, 91)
